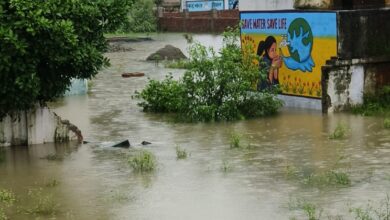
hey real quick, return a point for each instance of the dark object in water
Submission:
(135, 74)
(85, 142)
(122, 144)
(169, 52)
(145, 143)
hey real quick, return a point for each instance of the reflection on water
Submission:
(96, 182)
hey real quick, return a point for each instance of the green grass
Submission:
(7, 197)
(226, 167)
(144, 161)
(235, 140)
(371, 212)
(181, 153)
(311, 211)
(386, 123)
(374, 104)
(44, 204)
(328, 178)
(178, 64)
(339, 132)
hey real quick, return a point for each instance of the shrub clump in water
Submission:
(386, 123)
(375, 104)
(181, 153)
(216, 87)
(339, 132)
(144, 161)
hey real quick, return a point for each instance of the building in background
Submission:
(206, 5)
(333, 51)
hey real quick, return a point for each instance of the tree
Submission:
(45, 43)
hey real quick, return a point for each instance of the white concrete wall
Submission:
(41, 125)
(260, 5)
(353, 94)
(36, 126)
(300, 102)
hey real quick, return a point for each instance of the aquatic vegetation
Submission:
(339, 132)
(2, 154)
(291, 171)
(144, 161)
(235, 140)
(2, 215)
(181, 153)
(226, 166)
(386, 123)
(311, 210)
(7, 197)
(52, 183)
(216, 87)
(53, 157)
(369, 212)
(328, 178)
(178, 64)
(44, 204)
(374, 104)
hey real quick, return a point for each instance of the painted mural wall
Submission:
(292, 47)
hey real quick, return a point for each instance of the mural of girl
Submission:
(270, 60)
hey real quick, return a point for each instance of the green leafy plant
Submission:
(7, 199)
(144, 161)
(141, 17)
(235, 140)
(386, 123)
(44, 44)
(339, 132)
(216, 87)
(311, 210)
(374, 103)
(226, 166)
(44, 204)
(328, 178)
(181, 153)
(178, 64)
(370, 212)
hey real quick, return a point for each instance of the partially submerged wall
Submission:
(344, 82)
(36, 126)
(362, 64)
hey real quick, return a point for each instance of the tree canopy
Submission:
(46, 43)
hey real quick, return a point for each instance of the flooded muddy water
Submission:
(284, 160)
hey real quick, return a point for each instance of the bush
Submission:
(141, 17)
(44, 44)
(181, 153)
(216, 87)
(375, 104)
(386, 123)
(144, 161)
(339, 132)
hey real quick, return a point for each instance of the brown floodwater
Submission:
(263, 180)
